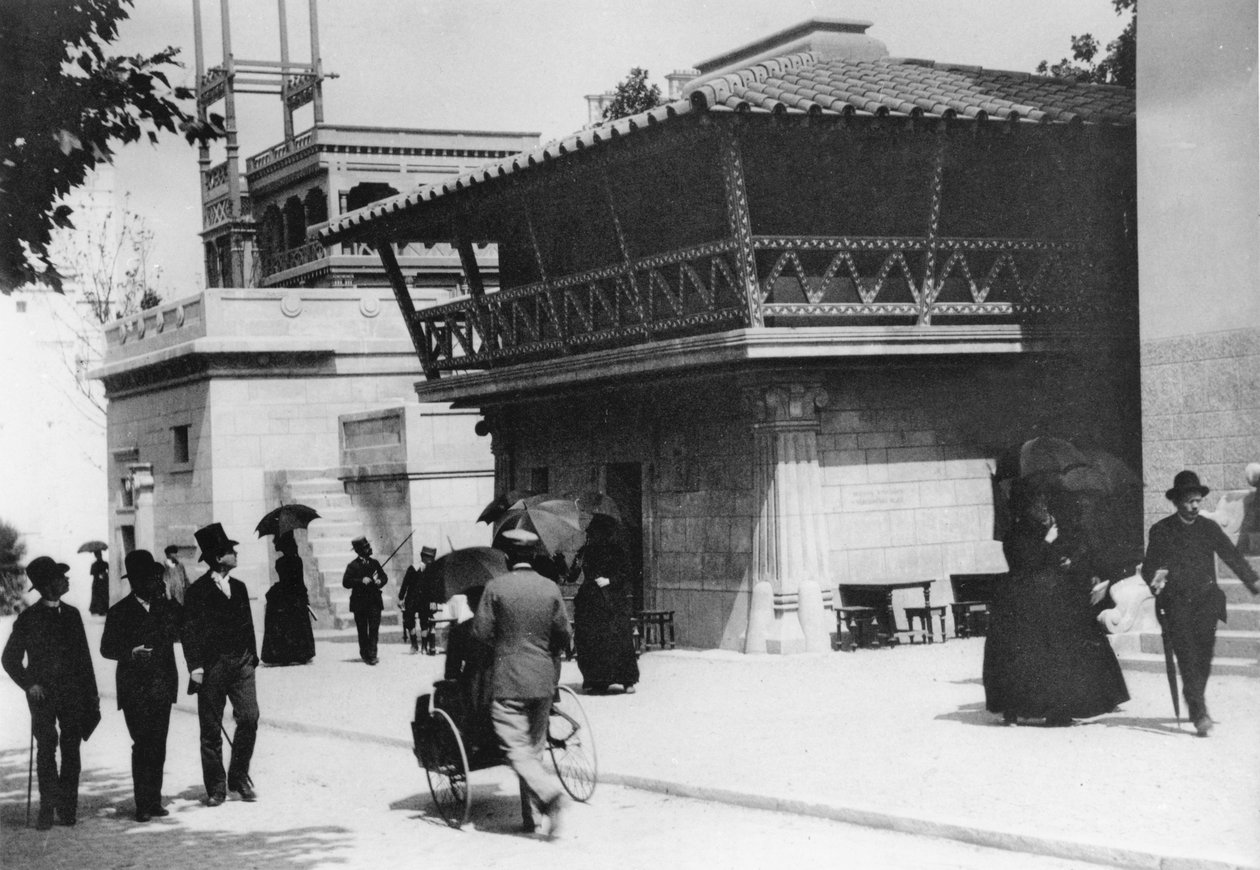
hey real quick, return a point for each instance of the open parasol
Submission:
(596, 504)
(286, 518)
(462, 569)
(556, 522)
(92, 547)
(499, 505)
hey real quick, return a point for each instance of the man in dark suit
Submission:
(1180, 568)
(522, 617)
(60, 687)
(140, 633)
(221, 654)
(365, 578)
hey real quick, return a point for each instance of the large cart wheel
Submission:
(572, 745)
(446, 767)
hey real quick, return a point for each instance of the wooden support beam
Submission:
(419, 338)
(472, 271)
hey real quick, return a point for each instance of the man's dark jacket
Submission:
(58, 660)
(364, 597)
(152, 679)
(1189, 551)
(215, 625)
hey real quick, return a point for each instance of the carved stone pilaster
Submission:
(789, 546)
(492, 424)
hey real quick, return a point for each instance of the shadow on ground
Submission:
(976, 714)
(107, 836)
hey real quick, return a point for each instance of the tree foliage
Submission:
(65, 104)
(12, 569)
(1117, 67)
(632, 95)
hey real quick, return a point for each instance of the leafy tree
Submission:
(1117, 67)
(64, 105)
(12, 569)
(632, 95)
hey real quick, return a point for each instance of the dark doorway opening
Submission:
(623, 482)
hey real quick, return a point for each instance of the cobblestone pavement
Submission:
(887, 738)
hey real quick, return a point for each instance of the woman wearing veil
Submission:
(287, 635)
(603, 633)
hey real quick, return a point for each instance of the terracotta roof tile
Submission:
(808, 83)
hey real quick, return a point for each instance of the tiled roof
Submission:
(808, 83)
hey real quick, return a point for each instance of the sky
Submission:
(522, 66)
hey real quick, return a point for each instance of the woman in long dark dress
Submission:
(99, 603)
(603, 633)
(287, 635)
(1046, 656)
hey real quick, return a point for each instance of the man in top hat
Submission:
(365, 578)
(60, 687)
(221, 654)
(522, 617)
(140, 633)
(416, 599)
(1180, 568)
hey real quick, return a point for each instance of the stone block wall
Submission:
(1201, 410)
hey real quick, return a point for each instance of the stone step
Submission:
(1229, 644)
(1154, 663)
(1244, 617)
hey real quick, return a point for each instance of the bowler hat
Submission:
(140, 565)
(428, 551)
(44, 569)
(213, 541)
(1184, 483)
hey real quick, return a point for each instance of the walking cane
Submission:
(30, 772)
(396, 549)
(249, 781)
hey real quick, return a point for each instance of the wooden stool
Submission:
(658, 628)
(924, 616)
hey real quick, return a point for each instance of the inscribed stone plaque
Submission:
(880, 496)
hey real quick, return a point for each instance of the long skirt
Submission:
(603, 638)
(287, 635)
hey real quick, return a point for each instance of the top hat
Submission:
(428, 551)
(171, 550)
(1185, 483)
(213, 541)
(140, 565)
(358, 542)
(44, 569)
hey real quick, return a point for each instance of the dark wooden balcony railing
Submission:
(801, 281)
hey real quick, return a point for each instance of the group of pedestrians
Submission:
(47, 656)
(1047, 657)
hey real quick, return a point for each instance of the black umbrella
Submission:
(556, 522)
(499, 505)
(92, 547)
(596, 504)
(460, 570)
(286, 518)
(1170, 666)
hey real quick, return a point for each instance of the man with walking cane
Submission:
(140, 632)
(222, 653)
(365, 578)
(60, 687)
(1180, 568)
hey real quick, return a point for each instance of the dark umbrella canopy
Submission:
(460, 570)
(499, 505)
(92, 547)
(286, 518)
(596, 504)
(556, 522)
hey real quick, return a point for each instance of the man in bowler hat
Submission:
(365, 578)
(60, 687)
(140, 633)
(221, 654)
(1180, 568)
(522, 617)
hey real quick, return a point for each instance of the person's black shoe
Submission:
(159, 812)
(245, 790)
(44, 821)
(1203, 725)
(142, 816)
(215, 800)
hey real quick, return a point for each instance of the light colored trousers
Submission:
(521, 726)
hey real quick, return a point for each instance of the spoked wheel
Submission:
(572, 745)
(446, 766)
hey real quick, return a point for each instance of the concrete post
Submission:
(789, 536)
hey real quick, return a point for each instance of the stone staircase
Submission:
(1237, 642)
(328, 547)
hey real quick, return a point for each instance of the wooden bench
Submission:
(657, 627)
(973, 593)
